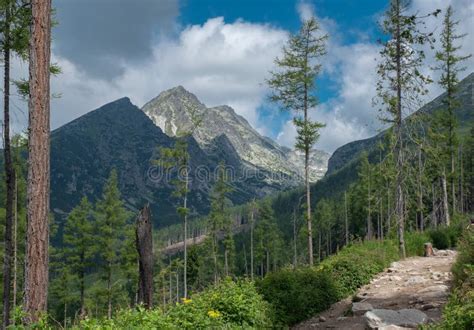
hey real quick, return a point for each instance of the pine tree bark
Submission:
(9, 174)
(252, 220)
(445, 199)
(36, 277)
(346, 222)
(144, 243)
(399, 207)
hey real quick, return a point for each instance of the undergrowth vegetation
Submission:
(299, 294)
(459, 312)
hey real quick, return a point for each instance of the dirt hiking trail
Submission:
(408, 293)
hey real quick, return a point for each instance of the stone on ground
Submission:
(360, 308)
(409, 318)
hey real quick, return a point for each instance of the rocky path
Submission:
(410, 292)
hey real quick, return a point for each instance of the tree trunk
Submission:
(36, 277)
(185, 270)
(144, 242)
(226, 262)
(82, 294)
(346, 221)
(268, 261)
(461, 181)
(252, 219)
(15, 246)
(421, 219)
(295, 256)
(369, 219)
(399, 208)
(245, 262)
(109, 293)
(433, 206)
(9, 174)
(445, 199)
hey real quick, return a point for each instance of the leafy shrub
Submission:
(227, 305)
(298, 294)
(459, 312)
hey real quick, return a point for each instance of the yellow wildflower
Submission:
(214, 314)
(186, 300)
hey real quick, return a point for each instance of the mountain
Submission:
(465, 115)
(172, 111)
(120, 136)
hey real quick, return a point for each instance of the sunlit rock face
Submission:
(174, 109)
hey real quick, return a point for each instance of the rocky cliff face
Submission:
(172, 111)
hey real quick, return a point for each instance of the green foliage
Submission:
(459, 312)
(227, 305)
(299, 294)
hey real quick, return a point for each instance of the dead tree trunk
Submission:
(36, 277)
(445, 199)
(144, 242)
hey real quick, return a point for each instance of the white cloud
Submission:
(227, 63)
(350, 115)
(305, 10)
(222, 63)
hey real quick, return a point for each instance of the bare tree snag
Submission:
(144, 241)
(36, 272)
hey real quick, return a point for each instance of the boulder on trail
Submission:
(409, 318)
(360, 308)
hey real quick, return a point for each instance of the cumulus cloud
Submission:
(350, 115)
(227, 63)
(222, 63)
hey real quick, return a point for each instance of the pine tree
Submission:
(178, 158)
(399, 87)
(293, 87)
(268, 237)
(78, 239)
(111, 218)
(218, 217)
(450, 66)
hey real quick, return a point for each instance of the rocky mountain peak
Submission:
(171, 112)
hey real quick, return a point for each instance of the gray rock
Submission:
(322, 319)
(415, 280)
(360, 308)
(435, 291)
(410, 318)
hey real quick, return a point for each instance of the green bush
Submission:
(298, 294)
(459, 312)
(227, 305)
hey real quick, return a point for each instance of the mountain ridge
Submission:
(170, 111)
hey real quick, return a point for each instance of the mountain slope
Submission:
(464, 114)
(171, 112)
(120, 136)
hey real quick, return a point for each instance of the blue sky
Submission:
(222, 51)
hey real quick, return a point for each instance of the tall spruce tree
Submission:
(78, 240)
(111, 219)
(450, 66)
(218, 217)
(400, 85)
(293, 87)
(178, 158)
